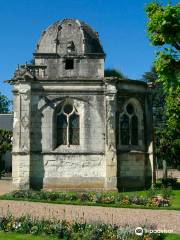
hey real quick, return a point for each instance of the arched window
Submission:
(74, 129)
(129, 126)
(67, 126)
(134, 130)
(124, 130)
(61, 130)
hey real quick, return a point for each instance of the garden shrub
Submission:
(138, 200)
(155, 197)
(178, 167)
(71, 231)
(169, 182)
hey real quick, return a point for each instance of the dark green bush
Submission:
(178, 167)
(169, 182)
(5, 145)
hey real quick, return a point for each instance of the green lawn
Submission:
(176, 199)
(17, 236)
(172, 237)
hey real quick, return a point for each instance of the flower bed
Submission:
(72, 230)
(153, 198)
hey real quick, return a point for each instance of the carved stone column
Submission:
(21, 135)
(111, 156)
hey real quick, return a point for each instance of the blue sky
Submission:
(121, 25)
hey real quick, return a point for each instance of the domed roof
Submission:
(70, 36)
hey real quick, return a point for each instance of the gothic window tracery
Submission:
(125, 130)
(129, 126)
(134, 130)
(67, 126)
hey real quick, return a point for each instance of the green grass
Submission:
(176, 199)
(17, 236)
(172, 237)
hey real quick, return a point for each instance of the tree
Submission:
(5, 145)
(4, 104)
(159, 96)
(113, 73)
(5, 135)
(158, 100)
(164, 31)
(150, 76)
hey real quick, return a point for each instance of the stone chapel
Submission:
(75, 129)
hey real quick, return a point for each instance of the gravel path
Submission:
(162, 219)
(5, 186)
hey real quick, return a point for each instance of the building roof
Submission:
(6, 121)
(70, 35)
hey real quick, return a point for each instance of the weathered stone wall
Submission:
(83, 67)
(98, 162)
(75, 171)
(92, 124)
(77, 166)
(135, 162)
(131, 170)
(21, 135)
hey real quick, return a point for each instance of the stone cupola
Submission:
(70, 48)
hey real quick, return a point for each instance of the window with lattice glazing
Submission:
(129, 126)
(68, 126)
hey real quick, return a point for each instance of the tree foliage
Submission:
(113, 73)
(4, 104)
(158, 98)
(5, 140)
(167, 66)
(150, 76)
(5, 135)
(5, 144)
(164, 24)
(164, 32)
